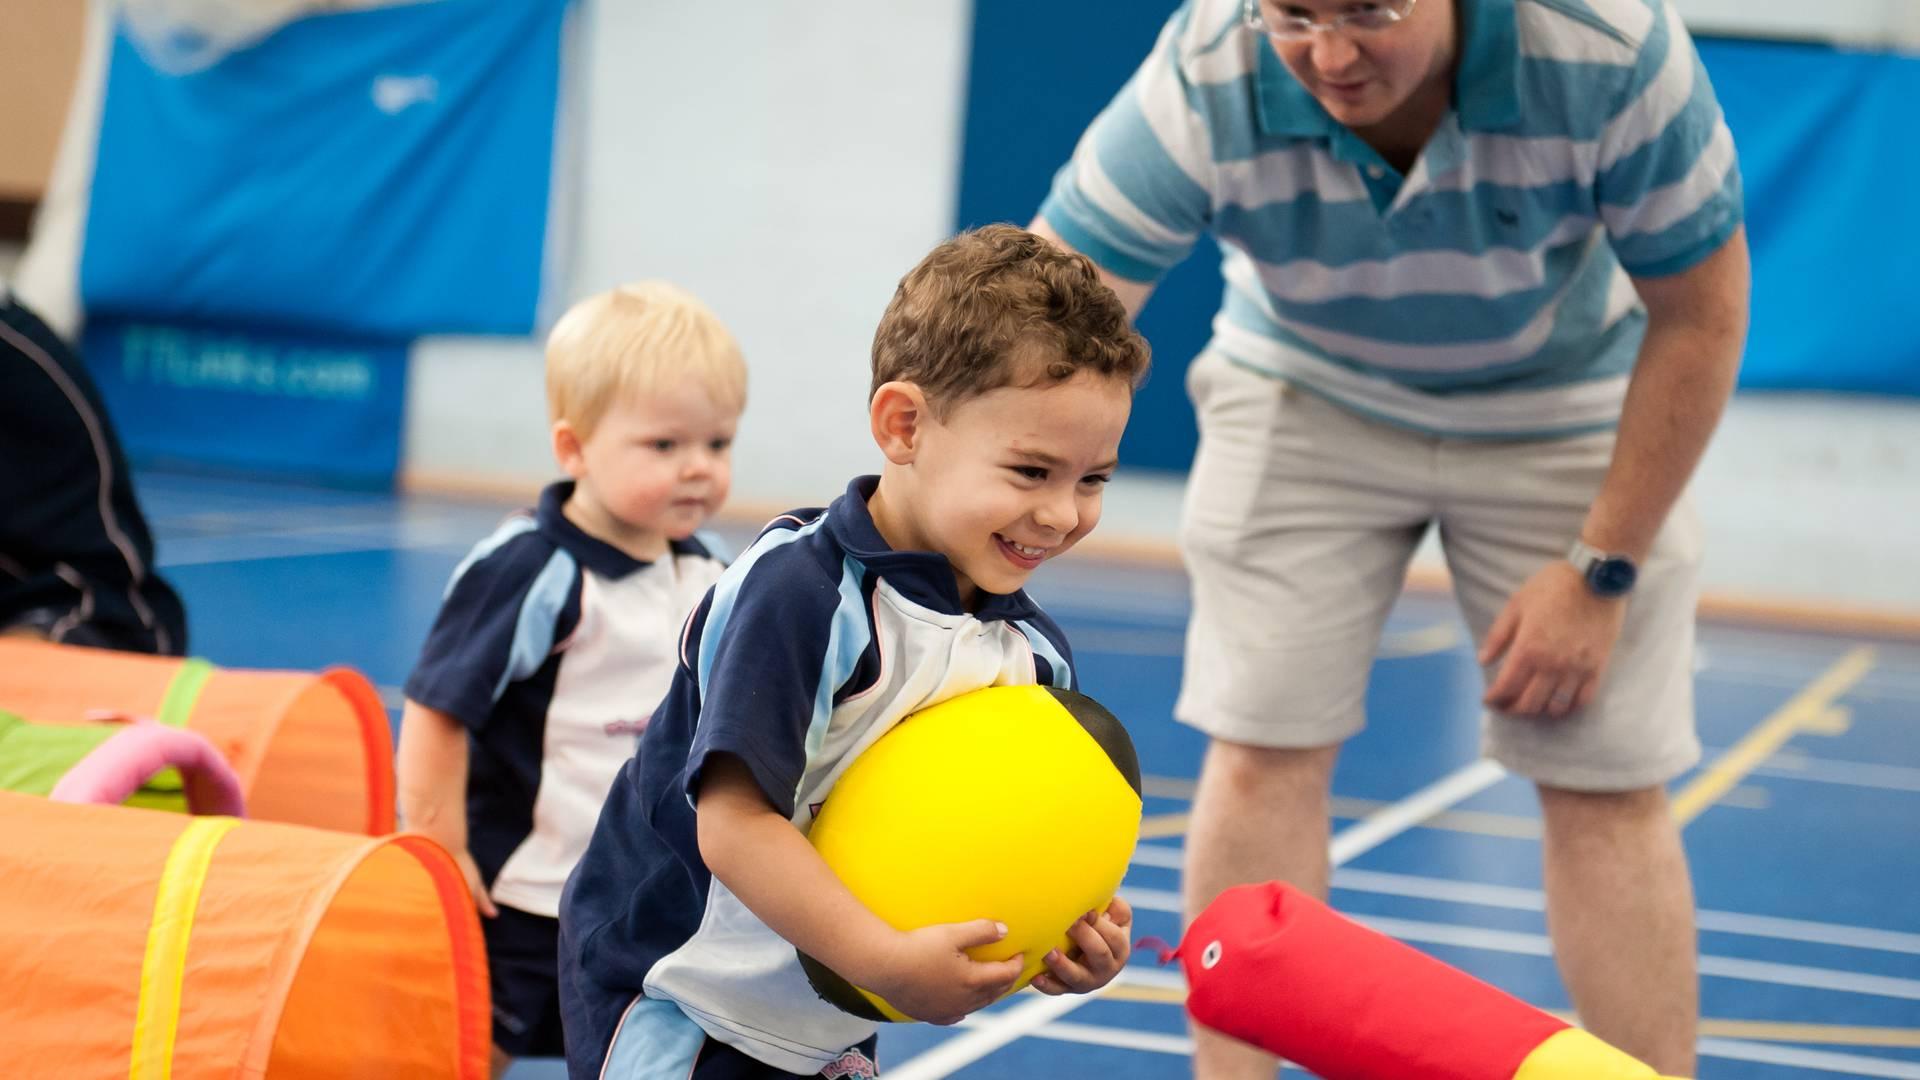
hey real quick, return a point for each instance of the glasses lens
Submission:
(1280, 26)
(1290, 27)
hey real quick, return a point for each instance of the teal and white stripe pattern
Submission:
(1485, 293)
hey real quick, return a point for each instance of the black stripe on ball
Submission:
(1105, 729)
(837, 991)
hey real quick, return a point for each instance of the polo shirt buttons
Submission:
(1376, 171)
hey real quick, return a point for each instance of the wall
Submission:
(829, 138)
(38, 57)
(788, 168)
(1853, 22)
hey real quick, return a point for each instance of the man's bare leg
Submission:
(1260, 814)
(1620, 909)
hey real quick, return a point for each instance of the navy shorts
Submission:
(523, 967)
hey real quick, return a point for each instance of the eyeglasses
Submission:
(1292, 29)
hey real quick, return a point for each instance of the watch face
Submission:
(1611, 577)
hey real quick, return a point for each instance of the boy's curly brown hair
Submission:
(998, 306)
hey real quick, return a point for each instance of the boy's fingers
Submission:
(995, 975)
(1068, 971)
(1094, 944)
(978, 932)
(1120, 912)
(1011, 968)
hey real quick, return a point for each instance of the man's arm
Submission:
(1696, 325)
(1554, 637)
(1133, 294)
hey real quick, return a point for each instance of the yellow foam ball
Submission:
(1014, 803)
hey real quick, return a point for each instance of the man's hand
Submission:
(1100, 950)
(1551, 642)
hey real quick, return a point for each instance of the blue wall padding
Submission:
(1833, 206)
(252, 402)
(378, 173)
(1830, 151)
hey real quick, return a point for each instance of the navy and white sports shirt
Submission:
(1482, 294)
(552, 648)
(812, 645)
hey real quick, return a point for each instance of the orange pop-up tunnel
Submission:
(138, 945)
(310, 749)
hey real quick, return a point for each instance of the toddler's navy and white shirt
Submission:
(552, 648)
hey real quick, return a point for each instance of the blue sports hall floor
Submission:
(1802, 825)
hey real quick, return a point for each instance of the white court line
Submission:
(998, 1029)
(1119, 1038)
(1727, 967)
(1795, 1057)
(1525, 944)
(1790, 764)
(1390, 821)
(1505, 896)
(985, 1034)
(1726, 922)
(306, 543)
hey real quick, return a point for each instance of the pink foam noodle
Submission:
(130, 757)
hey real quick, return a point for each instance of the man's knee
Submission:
(1245, 768)
(1641, 802)
(1637, 823)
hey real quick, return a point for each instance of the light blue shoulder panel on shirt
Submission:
(539, 614)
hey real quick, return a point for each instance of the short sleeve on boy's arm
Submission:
(1136, 194)
(504, 609)
(764, 658)
(1668, 181)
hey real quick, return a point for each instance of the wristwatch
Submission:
(1608, 576)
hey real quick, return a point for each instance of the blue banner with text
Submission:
(266, 403)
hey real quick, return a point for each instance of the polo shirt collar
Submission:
(925, 577)
(592, 552)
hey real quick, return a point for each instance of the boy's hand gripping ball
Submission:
(1014, 803)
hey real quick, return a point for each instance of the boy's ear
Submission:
(899, 415)
(566, 449)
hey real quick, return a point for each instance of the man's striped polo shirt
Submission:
(1483, 294)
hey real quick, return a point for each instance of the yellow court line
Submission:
(157, 1016)
(1829, 1034)
(1436, 638)
(1804, 710)
(1753, 1030)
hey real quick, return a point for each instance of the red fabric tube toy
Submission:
(1272, 966)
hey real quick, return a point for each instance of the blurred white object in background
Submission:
(180, 37)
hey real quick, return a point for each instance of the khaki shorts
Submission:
(1300, 519)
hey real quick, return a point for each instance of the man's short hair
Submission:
(1000, 306)
(638, 339)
